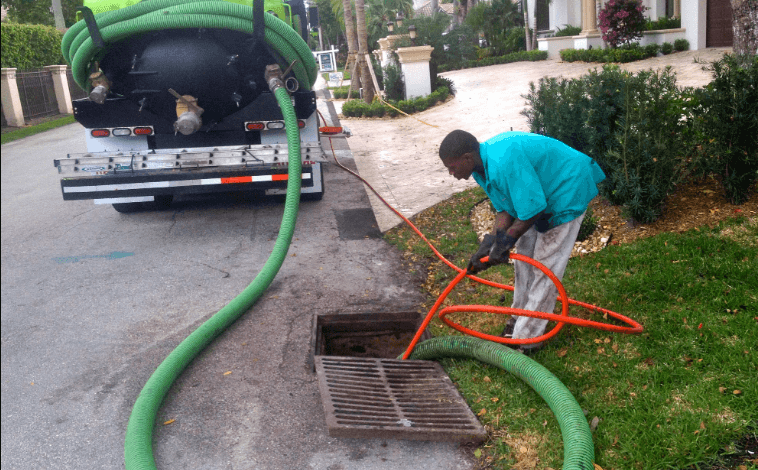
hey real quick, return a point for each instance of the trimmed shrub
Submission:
(725, 126)
(651, 50)
(630, 124)
(621, 21)
(627, 53)
(681, 45)
(667, 48)
(27, 46)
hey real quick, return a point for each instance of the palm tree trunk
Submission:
(352, 44)
(360, 18)
(526, 25)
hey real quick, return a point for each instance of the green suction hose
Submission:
(578, 449)
(138, 446)
(157, 15)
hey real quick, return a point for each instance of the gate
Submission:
(37, 93)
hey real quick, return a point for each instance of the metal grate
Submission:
(37, 93)
(390, 398)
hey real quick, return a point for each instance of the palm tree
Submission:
(352, 40)
(366, 81)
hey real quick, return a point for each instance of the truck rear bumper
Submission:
(145, 185)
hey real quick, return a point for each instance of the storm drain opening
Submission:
(368, 393)
(382, 335)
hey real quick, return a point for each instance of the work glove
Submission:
(543, 224)
(500, 251)
(475, 265)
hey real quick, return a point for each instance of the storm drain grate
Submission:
(390, 398)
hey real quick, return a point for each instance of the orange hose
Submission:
(563, 318)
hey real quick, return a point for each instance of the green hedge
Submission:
(621, 54)
(359, 108)
(27, 46)
(628, 123)
(520, 56)
(648, 134)
(624, 54)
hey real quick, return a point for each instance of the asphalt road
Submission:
(94, 300)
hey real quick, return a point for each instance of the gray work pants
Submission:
(532, 289)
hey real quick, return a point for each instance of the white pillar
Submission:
(414, 62)
(589, 18)
(693, 21)
(14, 114)
(62, 93)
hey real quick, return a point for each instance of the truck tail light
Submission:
(143, 131)
(100, 133)
(121, 131)
(255, 126)
(300, 123)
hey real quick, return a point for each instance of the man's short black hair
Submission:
(457, 143)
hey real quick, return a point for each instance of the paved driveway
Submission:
(399, 156)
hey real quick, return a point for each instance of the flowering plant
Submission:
(622, 21)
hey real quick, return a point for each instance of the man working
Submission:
(540, 189)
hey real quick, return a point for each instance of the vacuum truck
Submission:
(179, 100)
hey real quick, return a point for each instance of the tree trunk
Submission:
(352, 44)
(526, 25)
(435, 7)
(366, 81)
(745, 27)
(60, 24)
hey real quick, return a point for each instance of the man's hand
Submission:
(542, 224)
(500, 251)
(475, 265)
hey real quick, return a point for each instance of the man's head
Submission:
(459, 152)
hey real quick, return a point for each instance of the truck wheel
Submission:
(160, 202)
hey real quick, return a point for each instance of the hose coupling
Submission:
(274, 77)
(188, 114)
(100, 87)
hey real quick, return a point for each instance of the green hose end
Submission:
(578, 448)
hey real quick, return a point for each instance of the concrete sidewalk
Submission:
(399, 156)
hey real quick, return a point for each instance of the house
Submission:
(704, 23)
(425, 9)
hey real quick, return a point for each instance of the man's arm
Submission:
(513, 227)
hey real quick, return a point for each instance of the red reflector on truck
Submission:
(255, 126)
(330, 130)
(100, 133)
(300, 123)
(143, 131)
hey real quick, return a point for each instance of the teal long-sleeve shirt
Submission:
(525, 174)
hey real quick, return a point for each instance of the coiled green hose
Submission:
(578, 448)
(157, 15)
(138, 445)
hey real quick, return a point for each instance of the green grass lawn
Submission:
(11, 134)
(680, 394)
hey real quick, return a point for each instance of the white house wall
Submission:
(693, 13)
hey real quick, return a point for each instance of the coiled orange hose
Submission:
(562, 319)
